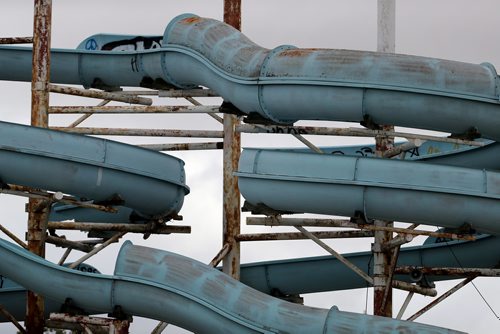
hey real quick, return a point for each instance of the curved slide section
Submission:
(164, 286)
(287, 84)
(376, 188)
(13, 296)
(325, 273)
(150, 183)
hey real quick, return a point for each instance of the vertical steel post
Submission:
(38, 209)
(231, 149)
(386, 42)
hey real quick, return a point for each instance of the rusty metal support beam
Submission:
(231, 216)
(16, 40)
(133, 228)
(301, 236)
(13, 237)
(348, 132)
(143, 132)
(65, 256)
(196, 109)
(449, 271)
(308, 143)
(441, 298)
(63, 242)
(337, 255)
(184, 146)
(54, 197)
(113, 326)
(402, 148)
(383, 259)
(211, 114)
(397, 242)
(81, 119)
(37, 219)
(97, 249)
(220, 255)
(405, 305)
(320, 222)
(12, 319)
(97, 94)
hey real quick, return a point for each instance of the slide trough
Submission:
(165, 286)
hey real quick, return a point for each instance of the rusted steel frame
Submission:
(449, 271)
(133, 228)
(16, 40)
(337, 255)
(232, 13)
(184, 146)
(231, 216)
(97, 249)
(220, 255)
(211, 114)
(300, 236)
(405, 305)
(441, 298)
(65, 255)
(390, 277)
(348, 132)
(114, 326)
(97, 94)
(81, 119)
(402, 148)
(198, 109)
(397, 242)
(159, 328)
(12, 319)
(13, 237)
(55, 197)
(143, 132)
(382, 291)
(414, 288)
(308, 143)
(320, 222)
(62, 242)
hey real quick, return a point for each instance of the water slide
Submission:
(282, 86)
(169, 287)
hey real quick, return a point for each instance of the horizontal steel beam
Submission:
(319, 222)
(16, 40)
(449, 271)
(133, 109)
(349, 132)
(56, 197)
(184, 146)
(143, 132)
(62, 242)
(134, 228)
(300, 236)
(97, 94)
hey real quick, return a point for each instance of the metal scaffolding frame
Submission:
(385, 247)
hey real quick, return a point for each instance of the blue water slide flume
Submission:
(287, 84)
(160, 285)
(377, 188)
(150, 184)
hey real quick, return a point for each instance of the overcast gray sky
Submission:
(451, 29)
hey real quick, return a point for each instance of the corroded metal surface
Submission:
(100, 95)
(16, 40)
(143, 132)
(231, 219)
